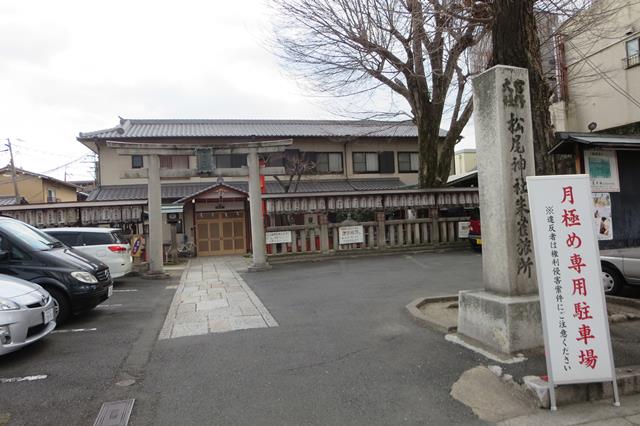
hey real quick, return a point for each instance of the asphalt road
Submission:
(82, 367)
(346, 352)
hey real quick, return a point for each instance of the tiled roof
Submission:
(7, 201)
(176, 191)
(39, 175)
(132, 128)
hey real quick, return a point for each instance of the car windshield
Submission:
(33, 238)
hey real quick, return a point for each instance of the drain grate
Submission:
(115, 413)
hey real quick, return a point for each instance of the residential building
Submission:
(35, 188)
(338, 157)
(464, 161)
(598, 70)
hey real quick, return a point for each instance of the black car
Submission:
(75, 280)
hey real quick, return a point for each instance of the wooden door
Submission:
(220, 233)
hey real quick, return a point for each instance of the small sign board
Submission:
(573, 307)
(463, 230)
(602, 216)
(278, 237)
(351, 234)
(137, 244)
(602, 167)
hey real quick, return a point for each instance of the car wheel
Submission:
(62, 304)
(612, 280)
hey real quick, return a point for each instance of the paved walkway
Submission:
(213, 298)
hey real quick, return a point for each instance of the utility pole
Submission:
(13, 172)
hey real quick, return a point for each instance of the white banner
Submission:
(574, 313)
(278, 237)
(351, 234)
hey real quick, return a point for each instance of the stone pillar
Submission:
(154, 195)
(257, 221)
(434, 215)
(382, 237)
(505, 316)
(323, 220)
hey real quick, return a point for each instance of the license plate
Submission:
(110, 291)
(48, 315)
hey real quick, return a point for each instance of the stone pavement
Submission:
(599, 413)
(213, 298)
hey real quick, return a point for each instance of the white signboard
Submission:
(574, 313)
(351, 234)
(463, 229)
(602, 168)
(602, 215)
(278, 237)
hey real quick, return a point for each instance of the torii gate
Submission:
(153, 174)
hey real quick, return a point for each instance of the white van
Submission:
(105, 244)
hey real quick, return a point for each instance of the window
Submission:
(69, 238)
(227, 161)
(407, 162)
(28, 236)
(137, 162)
(365, 162)
(96, 238)
(633, 52)
(174, 161)
(51, 195)
(329, 162)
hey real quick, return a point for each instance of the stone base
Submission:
(628, 379)
(259, 267)
(504, 324)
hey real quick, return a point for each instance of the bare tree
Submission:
(295, 168)
(415, 48)
(515, 42)
(518, 40)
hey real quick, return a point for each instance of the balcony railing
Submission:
(631, 61)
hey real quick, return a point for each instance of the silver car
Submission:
(620, 267)
(27, 313)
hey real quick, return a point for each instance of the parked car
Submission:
(105, 244)
(619, 268)
(27, 313)
(76, 281)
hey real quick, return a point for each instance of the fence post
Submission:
(324, 233)
(434, 214)
(382, 239)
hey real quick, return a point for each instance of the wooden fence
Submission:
(381, 234)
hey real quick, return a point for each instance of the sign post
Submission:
(572, 301)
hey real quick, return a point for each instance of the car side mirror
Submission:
(4, 255)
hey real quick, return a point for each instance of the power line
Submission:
(22, 178)
(606, 77)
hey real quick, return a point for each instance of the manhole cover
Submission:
(115, 413)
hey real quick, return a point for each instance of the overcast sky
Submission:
(72, 66)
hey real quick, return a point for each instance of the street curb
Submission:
(628, 379)
(625, 301)
(419, 317)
